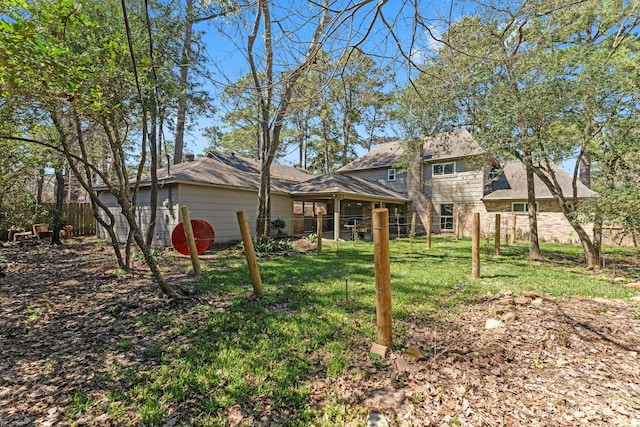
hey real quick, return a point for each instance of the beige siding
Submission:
(217, 206)
(166, 215)
(380, 176)
(461, 187)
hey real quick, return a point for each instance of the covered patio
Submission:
(346, 203)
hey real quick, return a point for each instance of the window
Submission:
(446, 217)
(521, 207)
(391, 175)
(441, 169)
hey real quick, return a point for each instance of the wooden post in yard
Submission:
(457, 226)
(496, 246)
(513, 229)
(191, 241)
(382, 275)
(250, 253)
(429, 229)
(475, 246)
(413, 225)
(319, 232)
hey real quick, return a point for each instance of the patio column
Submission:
(336, 218)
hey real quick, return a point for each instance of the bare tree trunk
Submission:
(57, 216)
(129, 214)
(422, 204)
(40, 185)
(182, 83)
(534, 243)
(585, 169)
(153, 197)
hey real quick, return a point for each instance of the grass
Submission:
(317, 316)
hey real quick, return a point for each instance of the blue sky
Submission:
(227, 62)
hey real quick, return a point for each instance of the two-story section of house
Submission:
(460, 178)
(455, 172)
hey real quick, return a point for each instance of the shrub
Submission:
(279, 224)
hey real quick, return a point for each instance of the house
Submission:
(508, 195)
(218, 185)
(348, 202)
(460, 178)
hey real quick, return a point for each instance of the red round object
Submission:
(202, 232)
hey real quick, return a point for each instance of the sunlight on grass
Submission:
(317, 312)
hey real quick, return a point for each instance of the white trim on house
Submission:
(443, 169)
(446, 218)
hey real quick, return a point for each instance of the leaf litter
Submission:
(67, 319)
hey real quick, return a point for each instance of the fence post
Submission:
(413, 225)
(319, 232)
(250, 253)
(191, 241)
(475, 246)
(429, 229)
(496, 248)
(513, 228)
(382, 275)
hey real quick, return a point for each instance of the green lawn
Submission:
(318, 312)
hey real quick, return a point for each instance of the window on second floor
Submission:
(391, 175)
(440, 169)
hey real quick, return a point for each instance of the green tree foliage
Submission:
(103, 75)
(543, 82)
(20, 164)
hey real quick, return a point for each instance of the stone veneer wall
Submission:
(553, 226)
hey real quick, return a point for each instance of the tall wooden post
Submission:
(475, 246)
(413, 226)
(513, 228)
(382, 275)
(319, 232)
(191, 241)
(456, 225)
(429, 229)
(250, 253)
(336, 219)
(496, 246)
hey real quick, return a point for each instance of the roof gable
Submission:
(207, 171)
(512, 184)
(346, 185)
(444, 146)
(278, 171)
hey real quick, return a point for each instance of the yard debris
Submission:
(492, 323)
(415, 353)
(377, 420)
(379, 349)
(572, 361)
(510, 316)
(635, 285)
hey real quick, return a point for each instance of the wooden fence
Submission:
(80, 216)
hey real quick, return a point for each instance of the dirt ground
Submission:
(567, 361)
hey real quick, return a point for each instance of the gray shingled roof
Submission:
(207, 171)
(278, 171)
(444, 146)
(512, 184)
(345, 185)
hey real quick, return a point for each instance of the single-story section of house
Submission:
(348, 201)
(215, 187)
(213, 192)
(508, 196)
